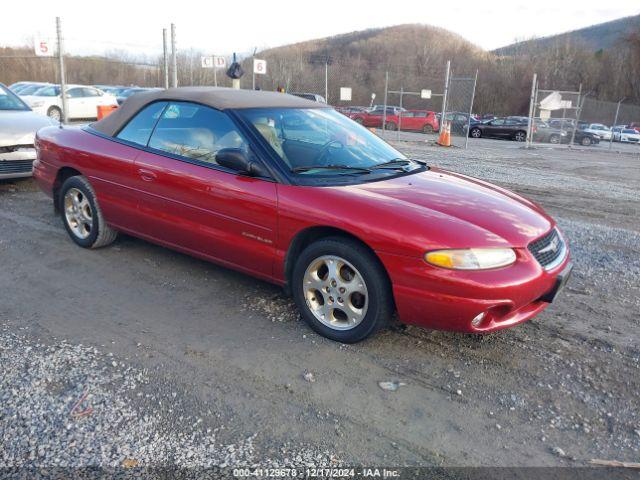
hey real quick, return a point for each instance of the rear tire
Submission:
(586, 141)
(338, 266)
(358, 120)
(427, 129)
(520, 136)
(82, 216)
(555, 139)
(391, 126)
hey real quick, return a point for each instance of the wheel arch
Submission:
(307, 236)
(61, 176)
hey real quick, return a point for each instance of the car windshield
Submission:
(9, 101)
(629, 131)
(30, 90)
(321, 141)
(51, 91)
(598, 127)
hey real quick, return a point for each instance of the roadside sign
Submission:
(426, 94)
(345, 94)
(259, 66)
(207, 62)
(220, 62)
(43, 47)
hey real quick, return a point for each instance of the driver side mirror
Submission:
(236, 159)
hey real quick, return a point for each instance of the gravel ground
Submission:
(187, 363)
(70, 405)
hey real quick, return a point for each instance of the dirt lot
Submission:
(135, 353)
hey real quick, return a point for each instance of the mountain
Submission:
(415, 56)
(595, 38)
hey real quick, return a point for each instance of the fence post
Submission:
(63, 92)
(578, 111)
(473, 96)
(400, 115)
(326, 79)
(165, 58)
(446, 93)
(532, 107)
(174, 60)
(615, 120)
(384, 112)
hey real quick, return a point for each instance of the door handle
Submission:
(147, 175)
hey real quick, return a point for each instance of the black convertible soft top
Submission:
(216, 97)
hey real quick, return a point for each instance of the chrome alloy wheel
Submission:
(78, 213)
(335, 292)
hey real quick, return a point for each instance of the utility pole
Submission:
(446, 92)
(165, 58)
(532, 108)
(63, 90)
(174, 60)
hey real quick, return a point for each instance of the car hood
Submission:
(465, 211)
(20, 127)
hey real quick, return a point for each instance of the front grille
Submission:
(16, 166)
(548, 249)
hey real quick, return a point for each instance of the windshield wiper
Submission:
(307, 168)
(397, 163)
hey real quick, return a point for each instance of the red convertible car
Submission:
(292, 192)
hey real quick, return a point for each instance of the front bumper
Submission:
(443, 299)
(17, 163)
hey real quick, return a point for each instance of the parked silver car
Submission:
(18, 126)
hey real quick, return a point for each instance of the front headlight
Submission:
(471, 258)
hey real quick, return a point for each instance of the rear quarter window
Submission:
(139, 128)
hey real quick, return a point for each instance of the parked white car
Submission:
(82, 101)
(599, 129)
(18, 127)
(627, 135)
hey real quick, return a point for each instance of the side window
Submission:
(408, 114)
(75, 93)
(195, 131)
(90, 92)
(139, 128)
(497, 123)
(421, 114)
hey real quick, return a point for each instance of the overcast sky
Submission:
(224, 27)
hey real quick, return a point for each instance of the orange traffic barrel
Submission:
(105, 110)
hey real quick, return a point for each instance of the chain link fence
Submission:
(459, 107)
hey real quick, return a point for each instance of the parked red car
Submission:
(373, 118)
(414, 120)
(291, 191)
(424, 121)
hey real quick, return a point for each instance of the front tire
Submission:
(586, 141)
(476, 133)
(82, 216)
(342, 290)
(391, 126)
(554, 139)
(427, 129)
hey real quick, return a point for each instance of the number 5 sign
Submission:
(259, 66)
(43, 47)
